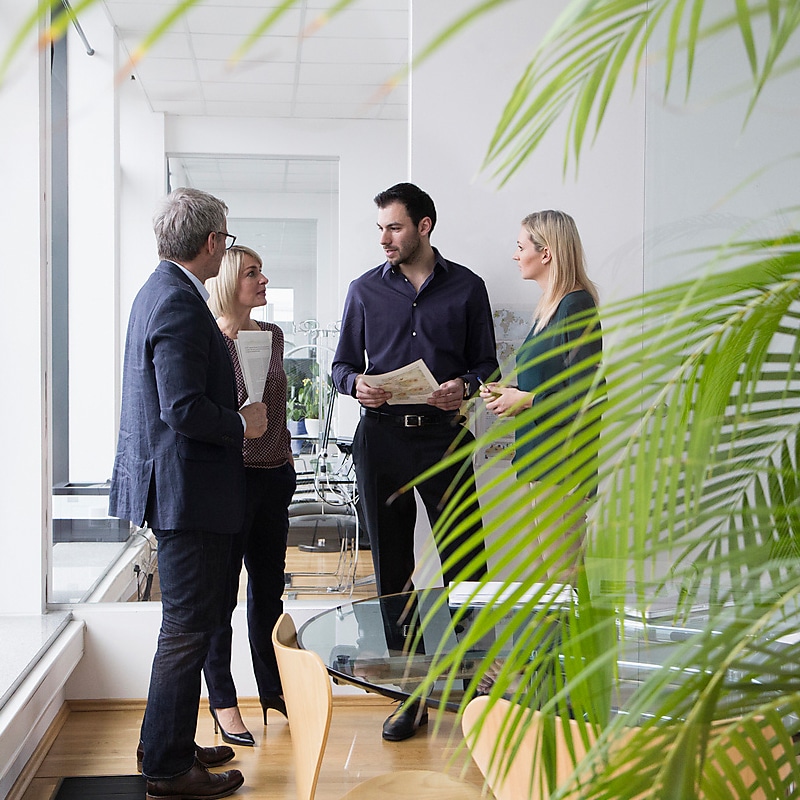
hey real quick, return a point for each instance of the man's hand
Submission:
(255, 417)
(449, 395)
(370, 396)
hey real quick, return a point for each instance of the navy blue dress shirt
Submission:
(387, 324)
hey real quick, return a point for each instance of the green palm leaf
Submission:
(588, 48)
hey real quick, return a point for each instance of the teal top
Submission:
(545, 376)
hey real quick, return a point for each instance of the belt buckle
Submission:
(412, 421)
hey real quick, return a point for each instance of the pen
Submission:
(491, 391)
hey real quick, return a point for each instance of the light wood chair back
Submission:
(777, 772)
(516, 773)
(524, 779)
(309, 704)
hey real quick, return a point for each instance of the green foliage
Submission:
(699, 500)
(593, 44)
(303, 400)
(307, 395)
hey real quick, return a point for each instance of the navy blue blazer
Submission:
(179, 455)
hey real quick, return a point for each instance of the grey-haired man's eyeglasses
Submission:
(227, 236)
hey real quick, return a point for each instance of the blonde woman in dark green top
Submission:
(565, 333)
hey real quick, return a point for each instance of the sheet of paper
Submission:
(410, 384)
(254, 349)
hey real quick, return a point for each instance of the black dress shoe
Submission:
(404, 722)
(245, 738)
(207, 756)
(196, 784)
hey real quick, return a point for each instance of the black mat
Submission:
(115, 787)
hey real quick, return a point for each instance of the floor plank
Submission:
(103, 742)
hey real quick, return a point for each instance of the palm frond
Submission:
(579, 63)
(23, 34)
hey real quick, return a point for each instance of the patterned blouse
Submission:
(273, 449)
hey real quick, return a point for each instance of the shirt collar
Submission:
(440, 262)
(196, 282)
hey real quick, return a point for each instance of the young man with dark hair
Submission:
(417, 304)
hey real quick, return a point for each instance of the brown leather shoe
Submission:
(196, 784)
(207, 756)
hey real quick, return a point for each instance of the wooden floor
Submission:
(101, 740)
(308, 586)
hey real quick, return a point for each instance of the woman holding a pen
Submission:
(240, 287)
(565, 333)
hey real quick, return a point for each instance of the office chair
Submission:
(332, 484)
(309, 703)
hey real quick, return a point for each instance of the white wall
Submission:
(372, 155)
(457, 98)
(120, 642)
(141, 181)
(24, 354)
(93, 188)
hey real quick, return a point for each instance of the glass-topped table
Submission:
(367, 643)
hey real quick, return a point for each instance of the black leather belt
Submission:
(412, 420)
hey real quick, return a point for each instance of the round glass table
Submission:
(373, 644)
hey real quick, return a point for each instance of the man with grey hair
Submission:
(179, 470)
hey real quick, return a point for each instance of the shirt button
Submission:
(413, 333)
(414, 305)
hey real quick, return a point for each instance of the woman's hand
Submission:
(505, 401)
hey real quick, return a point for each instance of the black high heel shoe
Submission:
(245, 738)
(276, 703)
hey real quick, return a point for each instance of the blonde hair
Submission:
(558, 232)
(223, 288)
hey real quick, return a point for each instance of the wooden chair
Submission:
(309, 703)
(513, 775)
(778, 769)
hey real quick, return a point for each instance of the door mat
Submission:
(114, 787)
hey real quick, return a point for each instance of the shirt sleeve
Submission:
(481, 349)
(350, 358)
(580, 345)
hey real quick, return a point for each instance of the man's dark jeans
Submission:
(192, 569)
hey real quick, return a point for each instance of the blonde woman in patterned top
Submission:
(261, 544)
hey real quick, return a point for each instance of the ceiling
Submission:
(300, 69)
(222, 174)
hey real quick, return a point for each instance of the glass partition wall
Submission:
(286, 209)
